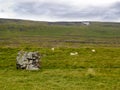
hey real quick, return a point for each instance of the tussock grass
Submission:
(60, 71)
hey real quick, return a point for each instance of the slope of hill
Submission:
(22, 31)
(88, 70)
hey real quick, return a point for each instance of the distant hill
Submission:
(68, 32)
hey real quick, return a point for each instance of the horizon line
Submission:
(34, 20)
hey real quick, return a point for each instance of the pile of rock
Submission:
(28, 60)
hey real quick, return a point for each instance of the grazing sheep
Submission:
(52, 49)
(72, 54)
(93, 50)
(75, 53)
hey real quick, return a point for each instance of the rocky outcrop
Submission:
(28, 60)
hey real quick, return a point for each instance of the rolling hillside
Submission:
(16, 32)
(88, 70)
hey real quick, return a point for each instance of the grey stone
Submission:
(28, 60)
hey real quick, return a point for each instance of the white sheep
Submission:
(52, 49)
(75, 53)
(93, 50)
(72, 54)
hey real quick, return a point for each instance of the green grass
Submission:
(60, 71)
(18, 32)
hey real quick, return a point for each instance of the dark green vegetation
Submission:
(17, 32)
(60, 71)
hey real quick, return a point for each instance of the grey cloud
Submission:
(89, 12)
(116, 8)
(66, 11)
(2, 10)
(34, 8)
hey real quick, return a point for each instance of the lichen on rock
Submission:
(28, 60)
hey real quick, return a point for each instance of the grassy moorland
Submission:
(88, 70)
(17, 33)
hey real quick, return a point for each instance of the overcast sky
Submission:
(61, 10)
